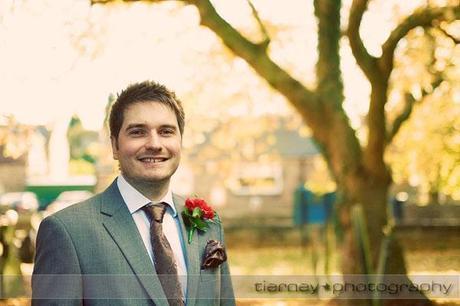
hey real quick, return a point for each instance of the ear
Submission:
(114, 142)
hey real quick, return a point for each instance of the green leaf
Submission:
(190, 234)
(186, 212)
(197, 212)
(202, 225)
(186, 217)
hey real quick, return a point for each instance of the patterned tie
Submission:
(165, 264)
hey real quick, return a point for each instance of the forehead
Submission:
(150, 113)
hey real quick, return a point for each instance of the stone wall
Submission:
(242, 205)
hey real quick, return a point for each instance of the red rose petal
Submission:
(192, 203)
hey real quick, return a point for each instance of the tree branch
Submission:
(424, 18)
(256, 56)
(376, 119)
(266, 40)
(366, 62)
(328, 72)
(452, 37)
(410, 101)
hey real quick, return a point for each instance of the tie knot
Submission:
(155, 211)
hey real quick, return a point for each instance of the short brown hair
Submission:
(147, 91)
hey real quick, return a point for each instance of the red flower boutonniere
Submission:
(198, 215)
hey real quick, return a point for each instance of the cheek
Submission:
(128, 149)
(174, 148)
(177, 151)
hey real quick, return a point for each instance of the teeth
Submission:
(153, 160)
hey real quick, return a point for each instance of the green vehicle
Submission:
(47, 192)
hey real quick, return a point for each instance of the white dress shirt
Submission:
(171, 226)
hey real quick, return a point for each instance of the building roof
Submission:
(277, 139)
(290, 143)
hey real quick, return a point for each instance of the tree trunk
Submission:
(372, 198)
(372, 195)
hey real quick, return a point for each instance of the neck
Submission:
(154, 191)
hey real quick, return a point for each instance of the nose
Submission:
(154, 142)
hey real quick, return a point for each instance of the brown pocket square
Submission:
(214, 255)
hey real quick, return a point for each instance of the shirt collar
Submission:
(136, 200)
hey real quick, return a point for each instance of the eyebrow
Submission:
(135, 125)
(141, 125)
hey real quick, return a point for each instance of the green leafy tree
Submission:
(425, 153)
(82, 144)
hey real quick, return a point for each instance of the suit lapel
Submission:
(192, 254)
(123, 230)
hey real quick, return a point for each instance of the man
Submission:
(128, 245)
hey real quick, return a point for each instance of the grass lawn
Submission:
(297, 261)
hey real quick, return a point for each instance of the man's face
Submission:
(149, 143)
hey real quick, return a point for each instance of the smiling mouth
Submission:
(152, 160)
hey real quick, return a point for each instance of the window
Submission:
(250, 179)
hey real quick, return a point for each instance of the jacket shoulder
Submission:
(84, 208)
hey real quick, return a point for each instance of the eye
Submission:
(167, 132)
(136, 132)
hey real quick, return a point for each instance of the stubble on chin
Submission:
(146, 182)
(149, 187)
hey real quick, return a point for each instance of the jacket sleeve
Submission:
(56, 278)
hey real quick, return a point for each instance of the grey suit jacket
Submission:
(91, 253)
